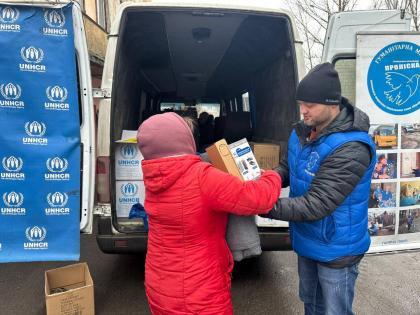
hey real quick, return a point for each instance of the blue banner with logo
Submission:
(393, 78)
(40, 135)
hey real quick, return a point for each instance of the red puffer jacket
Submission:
(188, 262)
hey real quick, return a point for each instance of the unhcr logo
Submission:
(8, 16)
(57, 199)
(35, 130)
(13, 202)
(55, 19)
(57, 167)
(129, 193)
(11, 94)
(35, 236)
(57, 95)
(57, 202)
(33, 57)
(32, 54)
(13, 199)
(128, 151)
(129, 189)
(12, 165)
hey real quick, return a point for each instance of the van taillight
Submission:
(102, 180)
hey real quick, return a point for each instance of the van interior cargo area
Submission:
(198, 56)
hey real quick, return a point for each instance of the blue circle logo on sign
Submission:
(394, 78)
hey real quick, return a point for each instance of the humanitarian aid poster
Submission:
(40, 135)
(387, 89)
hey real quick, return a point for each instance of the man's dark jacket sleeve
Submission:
(283, 171)
(336, 178)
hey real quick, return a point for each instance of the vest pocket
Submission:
(328, 228)
(311, 230)
(321, 231)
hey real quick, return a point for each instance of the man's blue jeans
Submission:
(326, 290)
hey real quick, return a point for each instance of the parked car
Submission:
(408, 128)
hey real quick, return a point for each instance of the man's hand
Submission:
(268, 215)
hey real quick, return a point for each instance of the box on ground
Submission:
(266, 154)
(69, 290)
(128, 193)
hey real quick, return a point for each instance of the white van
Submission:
(240, 63)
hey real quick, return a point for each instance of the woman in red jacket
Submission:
(188, 263)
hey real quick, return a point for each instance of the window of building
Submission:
(101, 13)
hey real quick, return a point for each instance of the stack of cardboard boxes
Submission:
(128, 174)
(245, 160)
(242, 159)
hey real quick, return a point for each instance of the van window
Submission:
(172, 106)
(211, 108)
(386, 131)
(346, 68)
(184, 109)
(245, 102)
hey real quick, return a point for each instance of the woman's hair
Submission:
(192, 124)
(406, 190)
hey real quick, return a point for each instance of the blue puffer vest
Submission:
(345, 231)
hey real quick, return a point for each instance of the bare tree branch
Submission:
(312, 18)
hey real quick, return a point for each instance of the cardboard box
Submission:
(69, 290)
(266, 154)
(128, 161)
(128, 193)
(245, 159)
(220, 156)
(128, 157)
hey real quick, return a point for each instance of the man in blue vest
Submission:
(329, 167)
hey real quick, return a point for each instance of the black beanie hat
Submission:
(321, 85)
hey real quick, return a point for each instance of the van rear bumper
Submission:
(272, 239)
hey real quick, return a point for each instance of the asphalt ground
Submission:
(388, 284)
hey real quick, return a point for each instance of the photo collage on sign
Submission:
(388, 91)
(395, 188)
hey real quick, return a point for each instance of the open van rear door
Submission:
(46, 111)
(377, 59)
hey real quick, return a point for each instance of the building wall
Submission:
(90, 9)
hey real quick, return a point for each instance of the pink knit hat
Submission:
(165, 135)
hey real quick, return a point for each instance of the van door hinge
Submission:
(101, 93)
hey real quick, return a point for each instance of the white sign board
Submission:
(388, 90)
